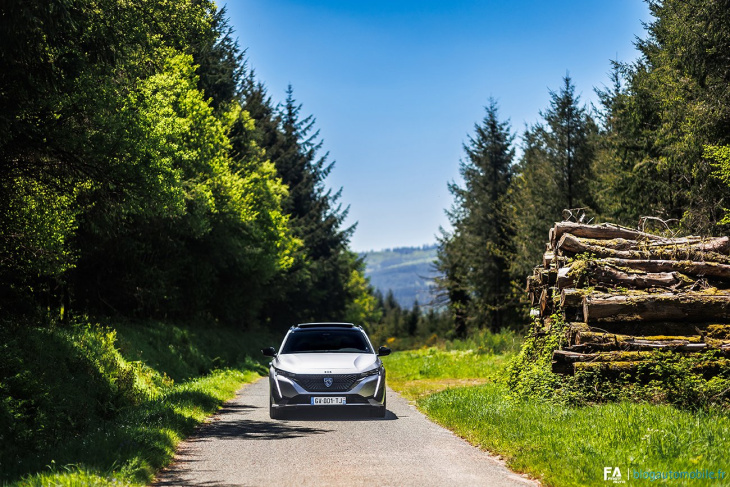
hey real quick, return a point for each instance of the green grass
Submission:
(567, 446)
(90, 405)
(560, 444)
(417, 373)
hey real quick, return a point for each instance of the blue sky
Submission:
(397, 86)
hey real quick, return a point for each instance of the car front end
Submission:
(349, 377)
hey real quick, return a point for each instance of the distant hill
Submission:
(408, 271)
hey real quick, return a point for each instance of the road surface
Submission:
(241, 446)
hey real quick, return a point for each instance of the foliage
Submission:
(666, 377)
(720, 157)
(316, 287)
(660, 113)
(553, 174)
(73, 399)
(473, 259)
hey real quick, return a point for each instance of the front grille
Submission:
(315, 382)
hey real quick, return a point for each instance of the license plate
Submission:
(328, 401)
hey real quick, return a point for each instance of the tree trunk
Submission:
(615, 356)
(572, 245)
(614, 369)
(571, 298)
(697, 268)
(603, 231)
(690, 306)
(644, 345)
(613, 276)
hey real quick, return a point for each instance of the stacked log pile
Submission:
(624, 294)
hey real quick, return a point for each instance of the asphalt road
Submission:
(241, 446)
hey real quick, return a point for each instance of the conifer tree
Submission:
(316, 287)
(555, 173)
(474, 256)
(666, 107)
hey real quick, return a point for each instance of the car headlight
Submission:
(284, 373)
(370, 373)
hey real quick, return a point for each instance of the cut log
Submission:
(611, 275)
(641, 329)
(720, 332)
(602, 231)
(571, 298)
(689, 306)
(643, 345)
(613, 369)
(547, 259)
(546, 303)
(563, 279)
(619, 340)
(572, 245)
(617, 356)
(697, 268)
(712, 244)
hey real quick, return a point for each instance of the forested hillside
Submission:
(653, 152)
(408, 272)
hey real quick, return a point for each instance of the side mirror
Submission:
(269, 352)
(383, 351)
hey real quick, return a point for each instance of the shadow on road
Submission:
(248, 429)
(334, 415)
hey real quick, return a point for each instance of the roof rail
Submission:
(324, 325)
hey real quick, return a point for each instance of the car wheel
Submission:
(379, 411)
(274, 413)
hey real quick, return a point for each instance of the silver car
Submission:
(322, 365)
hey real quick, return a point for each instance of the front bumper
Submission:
(287, 393)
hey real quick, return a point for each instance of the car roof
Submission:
(325, 325)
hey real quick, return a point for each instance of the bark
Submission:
(642, 345)
(696, 268)
(614, 369)
(715, 244)
(602, 231)
(584, 337)
(615, 356)
(613, 276)
(690, 306)
(546, 305)
(571, 298)
(563, 279)
(571, 245)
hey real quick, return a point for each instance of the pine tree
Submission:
(473, 258)
(566, 139)
(671, 103)
(316, 287)
(554, 174)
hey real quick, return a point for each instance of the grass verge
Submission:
(418, 373)
(570, 446)
(561, 444)
(79, 407)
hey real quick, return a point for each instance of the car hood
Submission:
(322, 363)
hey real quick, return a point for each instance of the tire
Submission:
(379, 411)
(274, 413)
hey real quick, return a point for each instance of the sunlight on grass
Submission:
(569, 446)
(418, 373)
(86, 411)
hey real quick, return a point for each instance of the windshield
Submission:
(312, 341)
